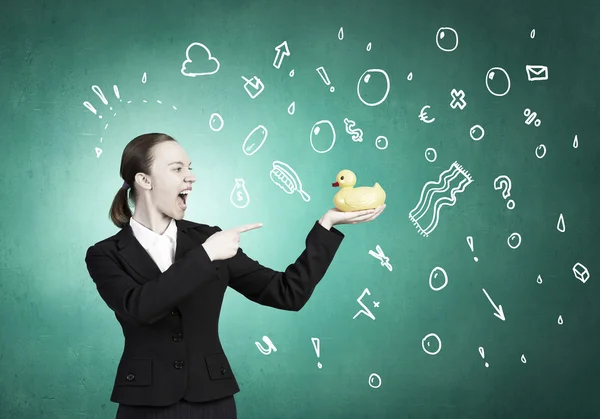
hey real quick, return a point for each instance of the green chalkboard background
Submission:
(60, 343)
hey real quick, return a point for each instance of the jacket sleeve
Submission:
(291, 289)
(144, 304)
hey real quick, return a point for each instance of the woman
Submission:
(164, 277)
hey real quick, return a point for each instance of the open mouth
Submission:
(182, 200)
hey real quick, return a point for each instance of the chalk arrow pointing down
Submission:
(282, 50)
(499, 312)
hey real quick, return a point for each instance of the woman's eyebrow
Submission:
(179, 162)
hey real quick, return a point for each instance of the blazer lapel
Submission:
(140, 260)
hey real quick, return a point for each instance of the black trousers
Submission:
(216, 409)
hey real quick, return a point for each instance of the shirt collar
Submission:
(148, 238)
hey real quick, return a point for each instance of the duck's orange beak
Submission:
(334, 184)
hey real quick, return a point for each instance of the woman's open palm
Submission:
(335, 216)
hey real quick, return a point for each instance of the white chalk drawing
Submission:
(292, 73)
(381, 142)
(575, 142)
(364, 310)
(523, 359)
(482, 353)
(473, 132)
(503, 183)
(356, 133)
(322, 133)
(532, 34)
(385, 261)
(287, 179)
(253, 86)
(531, 116)
(216, 122)
(341, 33)
(581, 272)
(514, 240)
(431, 340)
(323, 74)
(254, 140)
(430, 155)
(270, 347)
(560, 319)
(144, 78)
(435, 273)
(449, 35)
(369, 46)
(560, 225)
(470, 243)
(366, 78)
(436, 190)
(98, 91)
(540, 151)
(458, 99)
(292, 108)
(490, 75)
(282, 51)
(317, 345)
(202, 49)
(410, 76)
(536, 72)
(374, 380)
(498, 308)
(239, 197)
(423, 115)
(539, 279)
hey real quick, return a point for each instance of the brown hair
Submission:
(137, 157)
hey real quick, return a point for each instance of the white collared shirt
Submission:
(161, 248)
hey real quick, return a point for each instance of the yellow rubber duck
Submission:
(350, 198)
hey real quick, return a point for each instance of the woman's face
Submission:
(171, 174)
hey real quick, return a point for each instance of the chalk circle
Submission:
(540, 151)
(472, 131)
(316, 130)
(441, 35)
(511, 239)
(510, 204)
(216, 122)
(374, 377)
(490, 75)
(434, 274)
(439, 343)
(381, 142)
(430, 155)
(367, 76)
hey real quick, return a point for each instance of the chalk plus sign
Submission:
(458, 99)
(376, 303)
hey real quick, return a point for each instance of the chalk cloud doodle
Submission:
(205, 63)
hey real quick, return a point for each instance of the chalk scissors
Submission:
(383, 258)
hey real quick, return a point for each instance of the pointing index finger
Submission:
(248, 227)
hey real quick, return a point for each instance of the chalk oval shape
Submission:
(216, 122)
(322, 133)
(255, 140)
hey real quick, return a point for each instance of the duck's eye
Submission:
(342, 178)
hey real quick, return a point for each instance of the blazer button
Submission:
(223, 370)
(130, 377)
(175, 312)
(178, 365)
(177, 337)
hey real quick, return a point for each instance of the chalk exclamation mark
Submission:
(470, 243)
(481, 351)
(317, 345)
(325, 77)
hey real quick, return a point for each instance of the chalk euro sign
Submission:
(423, 115)
(536, 72)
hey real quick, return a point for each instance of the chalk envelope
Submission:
(581, 272)
(536, 72)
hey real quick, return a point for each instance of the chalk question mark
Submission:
(503, 182)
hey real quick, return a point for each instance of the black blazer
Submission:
(170, 320)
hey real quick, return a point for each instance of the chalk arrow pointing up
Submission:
(499, 312)
(282, 50)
